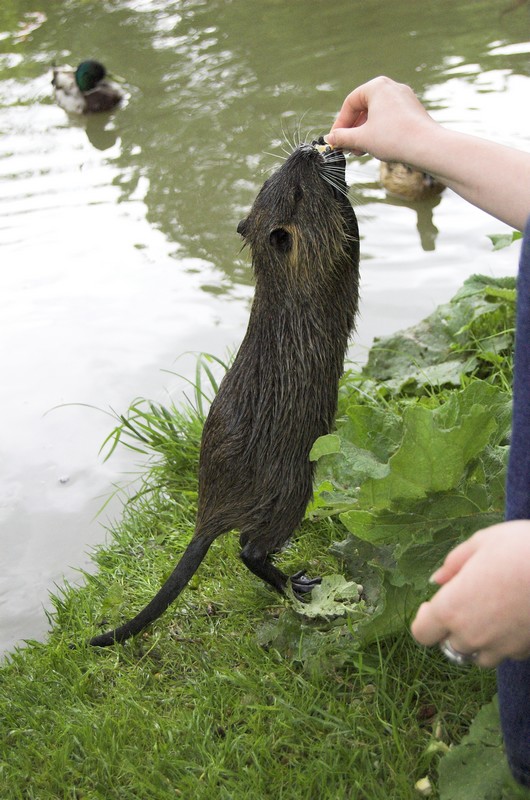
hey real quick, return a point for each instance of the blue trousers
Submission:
(513, 677)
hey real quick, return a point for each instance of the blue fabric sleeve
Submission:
(513, 677)
(518, 483)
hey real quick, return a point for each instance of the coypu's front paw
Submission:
(302, 585)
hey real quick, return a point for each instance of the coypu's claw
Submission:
(302, 585)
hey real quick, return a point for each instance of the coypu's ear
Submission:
(281, 240)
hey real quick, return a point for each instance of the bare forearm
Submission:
(491, 176)
(386, 119)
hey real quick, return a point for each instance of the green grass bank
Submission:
(235, 693)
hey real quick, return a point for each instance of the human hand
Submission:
(483, 606)
(383, 118)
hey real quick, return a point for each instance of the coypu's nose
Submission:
(321, 146)
(330, 155)
(328, 152)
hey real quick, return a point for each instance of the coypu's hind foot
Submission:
(262, 566)
(302, 585)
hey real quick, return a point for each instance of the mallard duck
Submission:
(411, 184)
(84, 90)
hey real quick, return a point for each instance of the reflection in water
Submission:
(373, 193)
(426, 227)
(118, 244)
(100, 129)
(418, 191)
(424, 218)
(101, 132)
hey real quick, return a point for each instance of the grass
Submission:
(195, 707)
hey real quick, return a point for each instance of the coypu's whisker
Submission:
(330, 168)
(287, 151)
(276, 156)
(290, 144)
(355, 198)
(335, 185)
(287, 146)
(299, 139)
(310, 135)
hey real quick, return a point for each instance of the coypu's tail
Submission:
(170, 590)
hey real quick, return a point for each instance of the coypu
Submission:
(280, 393)
(409, 183)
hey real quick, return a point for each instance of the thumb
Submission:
(455, 561)
(345, 139)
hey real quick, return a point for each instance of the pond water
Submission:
(118, 248)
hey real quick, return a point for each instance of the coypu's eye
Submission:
(281, 239)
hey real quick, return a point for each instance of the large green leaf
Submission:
(443, 481)
(477, 767)
(437, 445)
(434, 449)
(413, 467)
(455, 340)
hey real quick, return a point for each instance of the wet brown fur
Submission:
(281, 392)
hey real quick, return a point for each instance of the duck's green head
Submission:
(89, 74)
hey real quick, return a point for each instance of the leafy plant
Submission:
(477, 767)
(417, 460)
(472, 335)
(501, 240)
